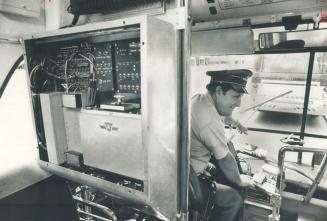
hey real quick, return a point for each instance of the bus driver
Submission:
(208, 140)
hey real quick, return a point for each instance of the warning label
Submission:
(229, 4)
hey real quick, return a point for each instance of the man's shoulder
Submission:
(203, 112)
(199, 104)
(200, 99)
(202, 102)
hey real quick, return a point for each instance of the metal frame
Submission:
(300, 149)
(185, 117)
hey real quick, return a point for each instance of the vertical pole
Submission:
(306, 101)
(185, 116)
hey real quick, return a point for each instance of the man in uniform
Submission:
(208, 139)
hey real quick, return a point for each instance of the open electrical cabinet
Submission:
(97, 94)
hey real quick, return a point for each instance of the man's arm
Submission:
(229, 167)
(231, 121)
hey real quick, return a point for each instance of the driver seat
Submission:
(202, 191)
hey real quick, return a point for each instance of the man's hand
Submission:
(246, 181)
(228, 165)
(241, 128)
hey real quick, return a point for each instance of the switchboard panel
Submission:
(128, 66)
(106, 70)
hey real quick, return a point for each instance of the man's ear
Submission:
(219, 90)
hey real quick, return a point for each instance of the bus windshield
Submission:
(276, 89)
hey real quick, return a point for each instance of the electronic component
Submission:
(259, 178)
(90, 70)
(103, 66)
(74, 100)
(128, 66)
(74, 158)
(121, 107)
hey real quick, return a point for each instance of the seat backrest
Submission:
(196, 194)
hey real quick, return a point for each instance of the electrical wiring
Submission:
(39, 70)
(44, 84)
(55, 76)
(91, 93)
(82, 75)
(34, 70)
(83, 56)
(92, 72)
(43, 61)
(49, 75)
(91, 55)
(91, 64)
(41, 145)
(91, 90)
(74, 84)
(39, 121)
(33, 77)
(10, 74)
(52, 61)
(65, 71)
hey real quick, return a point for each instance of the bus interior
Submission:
(95, 107)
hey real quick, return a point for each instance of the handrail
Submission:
(314, 186)
(301, 149)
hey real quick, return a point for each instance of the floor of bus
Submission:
(48, 200)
